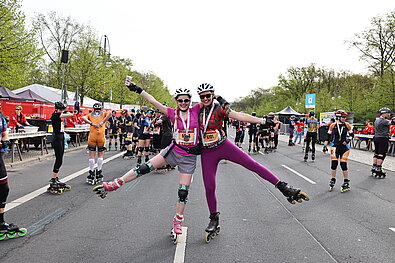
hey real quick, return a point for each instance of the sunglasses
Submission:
(183, 100)
(207, 96)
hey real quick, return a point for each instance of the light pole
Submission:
(105, 52)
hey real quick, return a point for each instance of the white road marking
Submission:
(43, 189)
(181, 244)
(392, 228)
(299, 174)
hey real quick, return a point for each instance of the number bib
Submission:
(157, 130)
(182, 138)
(211, 137)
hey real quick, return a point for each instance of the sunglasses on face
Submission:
(183, 100)
(207, 96)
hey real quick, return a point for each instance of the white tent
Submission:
(54, 95)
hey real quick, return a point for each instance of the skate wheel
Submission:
(67, 187)
(60, 191)
(11, 234)
(207, 238)
(22, 232)
(2, 236)
(218, 230)
(292, 201)
(330, 188)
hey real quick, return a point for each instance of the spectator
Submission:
(18, 120)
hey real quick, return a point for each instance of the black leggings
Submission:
(311, 137)
(3, 183)
(58, 146)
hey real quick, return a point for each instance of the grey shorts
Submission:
(186, 164)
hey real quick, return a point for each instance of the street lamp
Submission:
(105, 53)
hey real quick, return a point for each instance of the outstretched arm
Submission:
(133, 87)
(244, 117)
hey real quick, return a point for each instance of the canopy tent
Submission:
(284, 115)
(53, 95)
(288, 111)
(32, 96)
(6, 94)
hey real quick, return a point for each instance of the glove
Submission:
(5, 144)
(324, 149)
(222, 101)
(133, 87)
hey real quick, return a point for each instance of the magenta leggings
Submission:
(228, 151)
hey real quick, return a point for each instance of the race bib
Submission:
(147, 130)
(157, 130)
(182, 138)
(211, 137)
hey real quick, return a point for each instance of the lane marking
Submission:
(299, 174)
(392, 228)
(294, 217)
(34, 194)
(179, 256)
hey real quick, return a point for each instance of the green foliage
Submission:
(18, 52)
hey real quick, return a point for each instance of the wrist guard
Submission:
(5, 144)
(222, 101)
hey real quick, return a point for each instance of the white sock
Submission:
(99, 163)
(92, 164)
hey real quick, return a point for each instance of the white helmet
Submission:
(205, 87)
(182, 91)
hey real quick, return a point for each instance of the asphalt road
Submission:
(257, 223)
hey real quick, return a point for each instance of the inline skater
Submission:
(311, 135)
(145, 128)
(381, 140)
(6, 230)
(179, 153)
(96, 141)
(299, 131)
(157, 135)
(264, 133)
(291, 129)
(339, 133)
(122, 130)
(252, 136)
(128, 140)
(113, 130)
(217, 147)
(272, 131)
(240, 130)
(55, 186)
(277, 126)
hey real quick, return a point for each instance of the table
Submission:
(78, 133)
(356, 142)
(15, 137)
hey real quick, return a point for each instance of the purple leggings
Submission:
(228, 151)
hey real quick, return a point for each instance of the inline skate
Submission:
(90, 179)
(293, 195)
(57, 187)
(306, 156)
(99, 177)
(177, 228)
(11, 231)
(313, 156)
(128, 155)
(379, 173)
(102, 189)
(345, 186)
(332, 183)
(213, 227)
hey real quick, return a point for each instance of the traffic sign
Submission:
(310, 101)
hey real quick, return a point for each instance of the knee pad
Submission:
(127, 142)
(343, 165)
(183, 194)
(3, 194)
(375, 156)
(381, 157)
(334, 164)
(101, 148)
(146, 149)
(92, 148)
(143, 169)
(140, 149)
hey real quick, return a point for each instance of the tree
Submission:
(18, 52)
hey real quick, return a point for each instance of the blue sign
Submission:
(310, 101)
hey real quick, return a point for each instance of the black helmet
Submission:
(311, 113)
(384, 110)
(253, 113)
(59, 105)
(205, 87)
(97, 106)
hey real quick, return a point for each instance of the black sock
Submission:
(1, 217)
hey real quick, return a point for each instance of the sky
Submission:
(236, 46)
